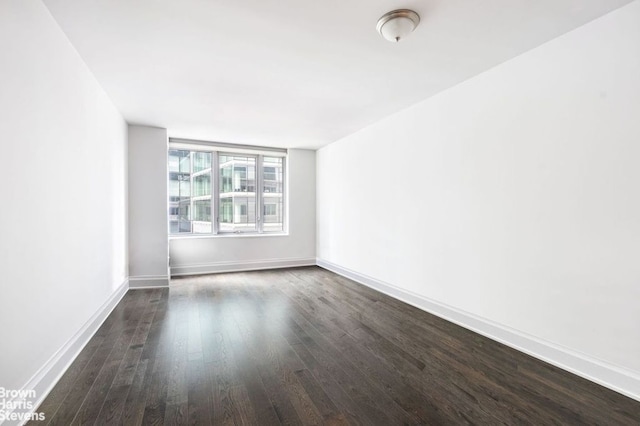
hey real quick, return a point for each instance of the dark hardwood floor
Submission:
(306, 346)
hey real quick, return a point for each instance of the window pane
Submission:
(202, 185)
(179, 191)
(272, 194)
(226, 210)
(201, 193)
(237, 193)
(201, 161)
(202, 216)
(189, 192)
(185, 162)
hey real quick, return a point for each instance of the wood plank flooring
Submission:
(306, 346)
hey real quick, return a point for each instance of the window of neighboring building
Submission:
(212, 191)
(269, 209)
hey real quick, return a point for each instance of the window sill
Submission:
(229, 235)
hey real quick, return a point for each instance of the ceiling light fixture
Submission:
(397, 24)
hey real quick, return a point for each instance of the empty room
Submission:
(320, 213)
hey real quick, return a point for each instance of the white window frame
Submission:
(221, 149)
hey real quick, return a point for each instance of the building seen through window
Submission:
(246, 190)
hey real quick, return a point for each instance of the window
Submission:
(237, 174)
(272, 193)
(179, 191)
(212, 191)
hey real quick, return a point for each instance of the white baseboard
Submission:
(46, 378)
(250, 265)
(621, 380)
(148, 281)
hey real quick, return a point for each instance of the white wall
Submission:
(512, 196)
(189, 255)
(148, 240)
(63, 217)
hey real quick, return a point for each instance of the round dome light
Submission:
(397, 24)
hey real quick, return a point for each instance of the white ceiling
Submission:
(294, 73)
